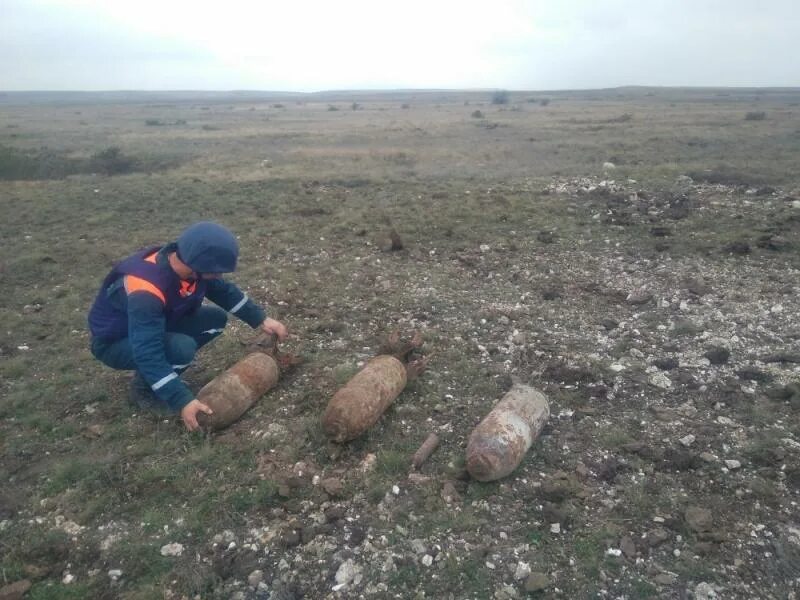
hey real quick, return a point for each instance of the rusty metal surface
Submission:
(498, 444)
(231, 393)
(361, 402)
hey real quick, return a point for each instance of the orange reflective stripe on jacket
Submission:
(137, 284)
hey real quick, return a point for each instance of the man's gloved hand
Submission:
(272, 326)
(189, 414)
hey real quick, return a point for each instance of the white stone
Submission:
(660, 380)
(609, 166)
(687, 440)
(347, 572)
(732, 464)
(173, 549)
(68, 578)
(522, 571)
(704, 591)
(614, 552)
(555, 528)
(427, 560)
(115, 574)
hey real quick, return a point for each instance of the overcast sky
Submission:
(311, 45)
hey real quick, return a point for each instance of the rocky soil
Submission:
(661, 323)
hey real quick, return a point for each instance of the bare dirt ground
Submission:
(631, 253)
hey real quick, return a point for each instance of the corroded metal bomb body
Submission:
(498, 444)
(361, 402)
(231, 393)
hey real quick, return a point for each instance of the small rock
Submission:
(666, 364)
(704, 591)
(708, 457)
(16, 590)
(173, 549)
(733, 464)
(522, 571)
(699, 519)
(115, 574)
(348, 572)
(660, 380)
(657, 536)
(628, 547)
(333, 486)
(666, 578)
(334, 513)
(427, 560)
(687, 440)
(555, 528)
(255, 578)
(449, 493)
(639, 297)
(506, 592)
(609, 324)
(718, 355)
(537, 582)
(609, 166)
(418, 546)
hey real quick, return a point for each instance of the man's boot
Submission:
(142, 396)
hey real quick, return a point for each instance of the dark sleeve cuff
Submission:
(252, 314)
(175, 394)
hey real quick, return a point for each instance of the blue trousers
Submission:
(181, 341)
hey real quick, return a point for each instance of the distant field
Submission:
(632, 253)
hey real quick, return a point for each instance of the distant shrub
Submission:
(153, 122)
(27, 165)
(210, 128)
(40, 164)
(477, 114)
(623, 118)
(405, 105)
(755, 115)
(277, 105)
(355, 106)
(332, 108)
(500, 97)
(544, 101)
(531, 100)
(111, 161)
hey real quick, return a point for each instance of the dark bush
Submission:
(500, 97)
(18, 164)
(477, 114)
(544, 101)
(111, 161)
(153, 122)
(755, 115)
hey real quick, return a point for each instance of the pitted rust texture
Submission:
(231, 393)
(498, 444)
(360, 403)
